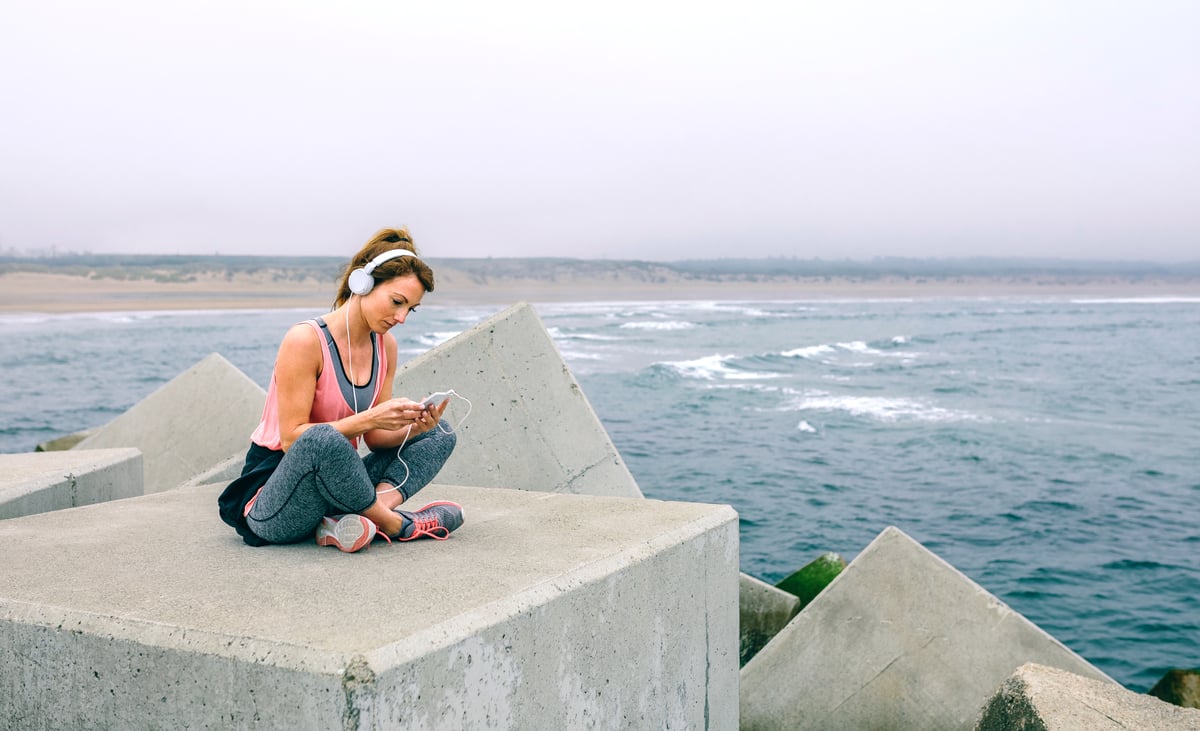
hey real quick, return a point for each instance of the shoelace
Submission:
(427, 527)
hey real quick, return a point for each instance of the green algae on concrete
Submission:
(1180, 687)
(63, 443)
(763, 610)
(815, 576)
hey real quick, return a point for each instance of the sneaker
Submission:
(435, 520)
(349, 533)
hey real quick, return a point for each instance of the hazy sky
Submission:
(653, 130)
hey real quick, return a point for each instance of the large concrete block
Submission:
(1048, 699)
(39, 482)
(1180, 687)
(190, 424)
(531, 426)
(64, 442)
(899, 640)
(544, 611)
(764, 611)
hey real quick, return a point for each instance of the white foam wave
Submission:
(558, 334)
(1138, 301)
(664, 325)
(880, 408)
(575, 355)
(436, 338)
(713, 367)
(804, 426)
(857, 347)
(811, 351)
(707, 368)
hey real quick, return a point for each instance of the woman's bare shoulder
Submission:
(301, 341)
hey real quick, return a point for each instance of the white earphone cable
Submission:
(408, 432)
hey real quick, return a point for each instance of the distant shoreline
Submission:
(42, 292)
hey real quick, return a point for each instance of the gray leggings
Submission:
(322, 474)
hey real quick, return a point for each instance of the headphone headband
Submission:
(386, 256)
(361, 281)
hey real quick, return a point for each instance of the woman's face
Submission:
(388, 304)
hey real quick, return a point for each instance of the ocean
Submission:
(1046, 447)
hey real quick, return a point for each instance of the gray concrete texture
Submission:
(530, 426)
(1049, 699)
(899, 640)
(39, 482)
(189, 425)
(763, 611)
(543, 611)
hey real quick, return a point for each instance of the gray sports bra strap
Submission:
(366, 392)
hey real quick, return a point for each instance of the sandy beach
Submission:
(63, 293)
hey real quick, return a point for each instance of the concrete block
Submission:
(39, 482)
(544, 611)
(1180, 687)
(1049, 699)
(812, 578)
(531, 426)
(763, 611)
(190, 424)
(64, 442)
(899, 640)
(225, 471)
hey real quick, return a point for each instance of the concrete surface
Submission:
(899, 640)
(38, 482)
(190, 424)
(1048, 699)
(763, 612)
(543, 611)
(530, 427)
(64, 442)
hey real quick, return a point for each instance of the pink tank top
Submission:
(328, 402)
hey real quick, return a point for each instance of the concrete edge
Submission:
(891, 533)
(102, 458)
(223, 472)
(469, 623)
(168, 637)
(305, 659)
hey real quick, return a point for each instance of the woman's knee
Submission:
(320, 436)
(446, 437)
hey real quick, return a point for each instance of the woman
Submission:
(331, 386)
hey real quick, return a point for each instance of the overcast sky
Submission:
(651, 130)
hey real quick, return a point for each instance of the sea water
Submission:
(1048, 448)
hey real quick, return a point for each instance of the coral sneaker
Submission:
(349, 533)
(436, 520)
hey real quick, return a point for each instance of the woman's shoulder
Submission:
(301, 338)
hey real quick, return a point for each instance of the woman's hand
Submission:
(432, 415)
(429, 418)
(397, 414)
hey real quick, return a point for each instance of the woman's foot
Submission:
(436, 520)
(349, 533)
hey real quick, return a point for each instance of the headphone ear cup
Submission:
(361, 282)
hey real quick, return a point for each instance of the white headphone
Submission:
(361, 282)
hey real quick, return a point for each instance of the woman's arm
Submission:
(421, 420)
(297, 367)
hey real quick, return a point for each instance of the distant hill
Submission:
(186, 268)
